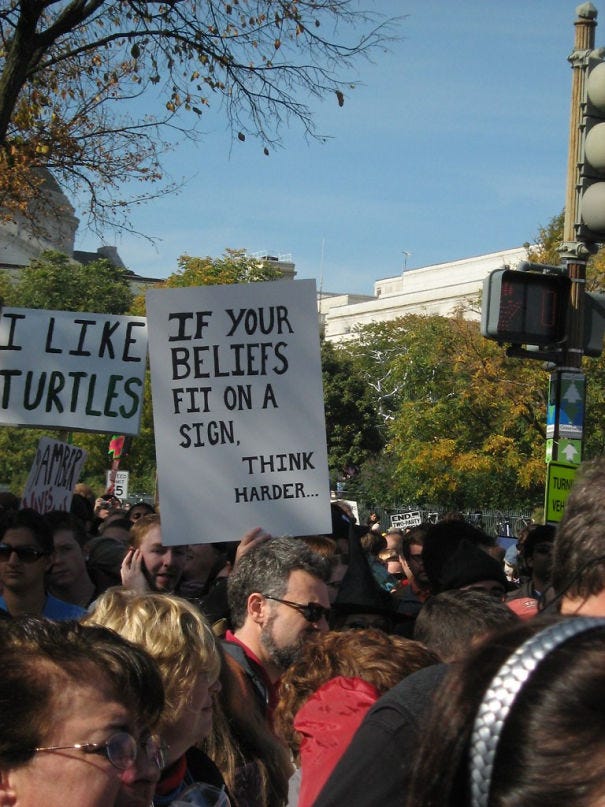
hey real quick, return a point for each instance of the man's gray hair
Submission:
(266, 570)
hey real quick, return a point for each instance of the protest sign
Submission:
(54, 472)
(411, 518)
(71, 370)
(238, 410)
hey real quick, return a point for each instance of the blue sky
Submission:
(455, 145)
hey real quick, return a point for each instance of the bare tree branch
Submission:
(69, 71)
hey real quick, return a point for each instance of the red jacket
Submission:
(327, 722)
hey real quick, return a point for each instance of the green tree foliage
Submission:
(17, 452)
(55, 282)
(97, 90)
(465, 426)
(547, 242)
(379, 485)
(352, 427)
(234, 266)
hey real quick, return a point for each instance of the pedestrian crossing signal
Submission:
(525, 307)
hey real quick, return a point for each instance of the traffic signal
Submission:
(590, 226)
(525, 307)
(594, 323)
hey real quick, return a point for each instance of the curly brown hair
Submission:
(371, 655)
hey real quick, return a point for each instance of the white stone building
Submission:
(56, 225)
(438, 289)
(55, 229)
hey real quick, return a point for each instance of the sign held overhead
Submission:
(238, 410)
(72, 370)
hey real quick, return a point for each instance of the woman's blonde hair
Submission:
(171, 630)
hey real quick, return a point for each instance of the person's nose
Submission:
(169, 557)
(145, 768)
(13, 558)
(216, 687)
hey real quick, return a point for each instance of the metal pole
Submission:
(565, 412)
(585, 26)
(574, 254)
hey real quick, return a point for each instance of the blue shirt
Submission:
(55, 609)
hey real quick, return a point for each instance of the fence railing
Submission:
(507, 523)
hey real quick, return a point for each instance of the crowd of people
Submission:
(421, 667)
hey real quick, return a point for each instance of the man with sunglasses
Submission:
(26, 555)
(278, 597)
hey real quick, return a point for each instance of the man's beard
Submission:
(282, 657)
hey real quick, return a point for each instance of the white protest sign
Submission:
(410, 519)
(71, 370)
(238, 410)
(54, 472)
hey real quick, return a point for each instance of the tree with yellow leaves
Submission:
(234, 266)
(465, 427)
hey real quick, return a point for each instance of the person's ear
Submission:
(257, 608)
(8, 797)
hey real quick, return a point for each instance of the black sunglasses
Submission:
(312, 611)
(26, 554)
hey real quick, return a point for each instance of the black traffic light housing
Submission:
(594, 323)
(590, 224)
(525, 306)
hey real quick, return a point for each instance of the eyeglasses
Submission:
(121, 749)
(312, 611)
(26, 554)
